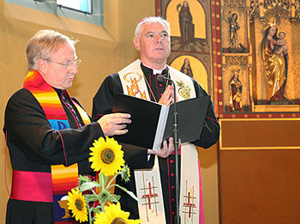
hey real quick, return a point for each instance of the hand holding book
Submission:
(114, 124)
(153, 122)
(167, 148)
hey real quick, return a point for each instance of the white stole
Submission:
(148, 183)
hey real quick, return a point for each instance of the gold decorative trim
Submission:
(288, 8)
(235, 59)
(276, 108)
(236, 3)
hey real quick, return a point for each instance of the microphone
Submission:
(161, 78)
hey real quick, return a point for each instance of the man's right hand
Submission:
(114, 124)
(166, 150)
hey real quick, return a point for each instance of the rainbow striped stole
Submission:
(63, 178)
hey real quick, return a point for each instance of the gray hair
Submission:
(42, 44)
(150, 20)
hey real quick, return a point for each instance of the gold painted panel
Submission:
(262, 39)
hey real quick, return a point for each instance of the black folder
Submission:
(152, 122)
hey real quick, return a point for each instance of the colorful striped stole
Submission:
(64, 178)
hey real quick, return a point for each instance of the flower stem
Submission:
(112, 179)
(90, 215)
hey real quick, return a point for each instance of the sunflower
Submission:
(104, 196)
(106, 156)
(77, 205)
(114, 215)
(125, 173)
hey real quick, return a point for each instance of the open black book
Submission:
(152, 122)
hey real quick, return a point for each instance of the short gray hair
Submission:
(150, 20)
(42, 44)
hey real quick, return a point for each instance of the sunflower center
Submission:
(108, 156)
(118, 221)
(104, 195)
(79, 204)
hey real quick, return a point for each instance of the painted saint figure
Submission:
(186, 23)
(186, 68)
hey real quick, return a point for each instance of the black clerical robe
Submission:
(34, 146)
(103, 104)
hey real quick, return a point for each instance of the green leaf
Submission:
(91, 197)
(88, 186)
(97, 210)
(130, 193)
(115, 198)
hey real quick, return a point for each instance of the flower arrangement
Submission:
(94, 201)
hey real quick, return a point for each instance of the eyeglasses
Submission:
(67, 64)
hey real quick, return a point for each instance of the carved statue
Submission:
(281, 45)
(275, 65)
(236, 88)
(233, 28)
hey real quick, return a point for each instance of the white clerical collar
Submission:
(155, 71)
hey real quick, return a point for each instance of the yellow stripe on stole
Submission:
(60, 173)
(85, 118)
(46, 96)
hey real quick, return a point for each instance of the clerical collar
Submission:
(60, 91)
(155, 71)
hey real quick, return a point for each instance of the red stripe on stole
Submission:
(62, 186)
(36, 82)
(54, 111)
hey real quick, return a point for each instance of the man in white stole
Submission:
(148, 184)
(152, 39)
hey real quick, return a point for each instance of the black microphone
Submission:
(161, 78)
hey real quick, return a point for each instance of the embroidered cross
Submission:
(189, 204)
(150, 195)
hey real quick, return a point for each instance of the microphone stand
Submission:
(176, 144)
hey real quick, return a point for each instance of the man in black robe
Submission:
(37, 141)
(152, 39)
